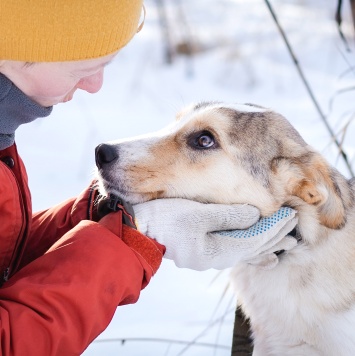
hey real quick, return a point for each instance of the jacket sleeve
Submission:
(49, 225)
(61, 301)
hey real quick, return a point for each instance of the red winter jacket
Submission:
(66, 275)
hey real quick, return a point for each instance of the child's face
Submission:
(50, 83)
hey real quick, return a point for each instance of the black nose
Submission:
(105, 154)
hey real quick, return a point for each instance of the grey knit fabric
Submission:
(16, 109)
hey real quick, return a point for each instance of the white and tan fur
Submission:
(306, 304)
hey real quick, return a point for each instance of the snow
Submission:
(241, 58)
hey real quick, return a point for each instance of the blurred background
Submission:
(190, 51)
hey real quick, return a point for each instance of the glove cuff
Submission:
(149, 251)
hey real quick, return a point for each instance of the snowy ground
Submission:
(243, 60)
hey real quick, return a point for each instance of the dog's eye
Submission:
(203, 140)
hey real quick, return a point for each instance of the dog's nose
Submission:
(104, 154)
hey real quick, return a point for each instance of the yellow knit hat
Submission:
(65, 30)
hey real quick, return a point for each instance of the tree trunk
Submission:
(242, 344)
(352, 5)
(164, 24)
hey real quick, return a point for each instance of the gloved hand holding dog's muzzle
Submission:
(203, 236)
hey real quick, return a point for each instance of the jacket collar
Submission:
(16, 108)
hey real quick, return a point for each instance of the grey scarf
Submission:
(16, 109)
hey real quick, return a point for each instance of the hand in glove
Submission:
(188, 231)
(271, 231)
(89, 205)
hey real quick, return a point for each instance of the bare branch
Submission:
(308, 88)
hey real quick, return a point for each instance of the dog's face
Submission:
(219, 153)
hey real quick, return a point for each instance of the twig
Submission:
(308, 88)
(339, 20)
(339, 92)
(152, 339)
(351, 67)
(347, 71)
(202, 333)
(221, 323)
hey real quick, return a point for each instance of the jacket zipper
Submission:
(8, 270)
(6, 274)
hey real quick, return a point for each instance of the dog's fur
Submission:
(306, 304)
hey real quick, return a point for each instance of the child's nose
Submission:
(93, 83)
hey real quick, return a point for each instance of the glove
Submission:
(89, 205)
(185, 226)
(147, 250)
(188, 230)
(272, 233)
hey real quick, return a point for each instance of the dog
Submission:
(230, 153)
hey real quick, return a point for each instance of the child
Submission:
(64, 271)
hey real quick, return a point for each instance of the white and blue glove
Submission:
(203, 236)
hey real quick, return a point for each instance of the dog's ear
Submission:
(319, 185)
